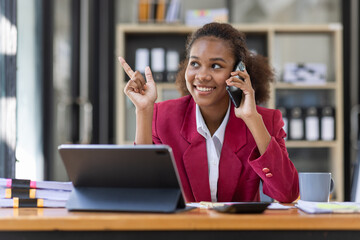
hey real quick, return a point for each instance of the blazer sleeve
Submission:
(155, 137)
(283, 186)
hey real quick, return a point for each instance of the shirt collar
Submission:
(203, 129)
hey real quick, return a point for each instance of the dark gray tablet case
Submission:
(140, 178)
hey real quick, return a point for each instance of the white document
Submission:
(278, 206)
(328, 207)
(141, 59)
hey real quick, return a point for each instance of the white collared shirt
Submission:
(213, 148)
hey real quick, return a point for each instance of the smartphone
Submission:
(243, 207)
(234, 92)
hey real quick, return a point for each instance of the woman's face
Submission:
(210, 64)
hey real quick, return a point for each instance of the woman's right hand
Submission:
(142, 93)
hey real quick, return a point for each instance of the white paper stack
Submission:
(34, 193)
(40, 203)
(328, 207)
(26, 193)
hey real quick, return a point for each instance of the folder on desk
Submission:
(140, 178)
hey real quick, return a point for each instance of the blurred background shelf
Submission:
(280, 85)
(311, 144)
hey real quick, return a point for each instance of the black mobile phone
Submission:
(234, 92)
(243, 207)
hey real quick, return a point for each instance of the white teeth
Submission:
(204, 89)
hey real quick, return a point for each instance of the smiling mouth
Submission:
(204, 89)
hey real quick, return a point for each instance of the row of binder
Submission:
(164, 63)
(311, 124)
(159, 11)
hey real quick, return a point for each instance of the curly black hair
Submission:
(257, 66)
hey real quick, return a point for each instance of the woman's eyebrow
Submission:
(217, 59)
(211, 59)
(194, 57)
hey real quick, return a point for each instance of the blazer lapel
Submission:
(195, 161)
(230, 165)
(195, 157)
(236, 132)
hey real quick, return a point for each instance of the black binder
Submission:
(139, 178)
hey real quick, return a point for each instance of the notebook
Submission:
(140, 178)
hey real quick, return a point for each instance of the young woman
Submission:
(221, 152)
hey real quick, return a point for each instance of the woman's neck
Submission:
(213, 117)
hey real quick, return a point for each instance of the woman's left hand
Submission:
(247, 108)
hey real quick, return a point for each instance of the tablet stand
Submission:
(125, 199)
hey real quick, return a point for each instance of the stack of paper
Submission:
(328, 207)
(37, 202)
(26, 193)
(34, 193)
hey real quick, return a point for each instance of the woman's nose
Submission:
(203, 75)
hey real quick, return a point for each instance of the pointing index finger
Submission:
(126, 67)
(148, 75)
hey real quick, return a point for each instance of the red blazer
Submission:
(240, 168)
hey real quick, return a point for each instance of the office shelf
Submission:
(305, 86)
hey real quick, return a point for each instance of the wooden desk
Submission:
(196, 224)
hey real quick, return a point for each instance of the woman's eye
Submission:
(194, 64)
(216, 66)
